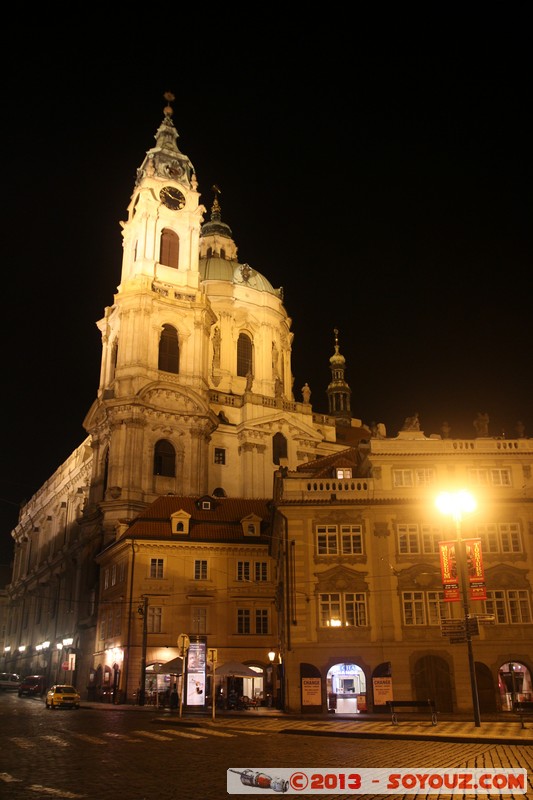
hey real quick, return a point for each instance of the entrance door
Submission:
(432, 680)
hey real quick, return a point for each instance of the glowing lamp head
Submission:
(456, 504)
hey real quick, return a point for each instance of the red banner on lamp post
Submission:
(474, 570)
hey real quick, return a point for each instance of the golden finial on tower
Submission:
(216, 190)
(168, 110)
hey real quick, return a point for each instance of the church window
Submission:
(170, 247)
(244, 355)
(164, 459)
(279, 447)
(169, 352)
(220, 455)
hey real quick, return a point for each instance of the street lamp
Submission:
(455, 504)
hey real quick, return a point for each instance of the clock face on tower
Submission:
(172, 197)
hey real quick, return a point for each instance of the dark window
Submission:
(279, 447)
(220, 455)
(170, 248)
(164, 459)
(244, 355)
(169, 352)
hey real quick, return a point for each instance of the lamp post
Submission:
(455, 504)
(143, 611)
(271, 658)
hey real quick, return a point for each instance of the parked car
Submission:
(62, 696)
(32, 685)
(9, 681)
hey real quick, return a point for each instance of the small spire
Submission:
(215, 208)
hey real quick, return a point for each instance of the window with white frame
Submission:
(431, 536)
(425, 477)
(425, 608)
(243, 570)
(156, 567)
(153, 623)
(326, 540)
(511, 606)
(438, 608)
(402, 477)
(413, 538)
(414, 608)
(490, 476)
(260, 571)
(503, 537)
(200, 569)
(244, 620)
(333, 540)
(408, 539)
(343, 609)
(199, 619)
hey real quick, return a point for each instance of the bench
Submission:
(415, 705)
(523, 708)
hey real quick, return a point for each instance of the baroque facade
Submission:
(195, 398)
(304, 533)
(358, 540)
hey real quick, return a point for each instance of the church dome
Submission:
(215, 268)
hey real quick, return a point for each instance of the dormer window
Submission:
(180, 522)
(251, 526)
(342, 473)
(206, 503)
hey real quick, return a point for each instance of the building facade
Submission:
(359, 542)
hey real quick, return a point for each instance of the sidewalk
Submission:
(494, 728)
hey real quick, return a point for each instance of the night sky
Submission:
(386, 188)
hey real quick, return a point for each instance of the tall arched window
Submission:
(170, 248)
(164, 459)
(244, 355)
(279, 447)
(169, 350)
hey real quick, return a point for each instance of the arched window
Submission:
(164, 459)
(244, 355)
(279, 448)
(169, 350)
(170, 248)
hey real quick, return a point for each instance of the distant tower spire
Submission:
(338, 390)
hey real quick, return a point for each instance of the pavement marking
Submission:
(123, 737)
(58, 740)
(211, 732)
(86, 738)
(186, 735)
(23, 743)
(7, 778)
(54, 792)
(156, 736)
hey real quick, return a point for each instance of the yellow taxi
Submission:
(62, 695)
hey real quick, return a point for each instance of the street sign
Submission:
(452, 627)
(183, 644)
(486, 619)
(212, 654)
(457, 639)
(472, 626)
